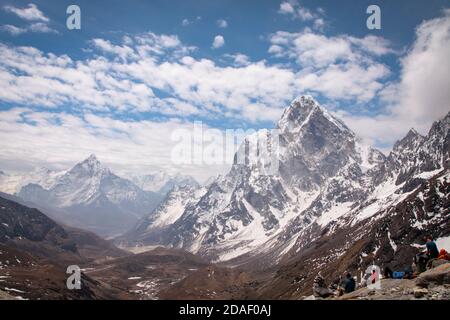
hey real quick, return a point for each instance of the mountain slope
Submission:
(391, 238)
(92, 197)
(35, 252)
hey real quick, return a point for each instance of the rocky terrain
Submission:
(35, 252)
(431, 285)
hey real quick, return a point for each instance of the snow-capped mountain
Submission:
(89, 195)
(162, 182)
(12, 183)
(151, 228)
(326, 178)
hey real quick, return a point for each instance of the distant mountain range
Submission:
(91, 196)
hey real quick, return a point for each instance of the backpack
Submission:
(398, 274)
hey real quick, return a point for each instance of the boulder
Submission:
(420, 292)
(437, 276)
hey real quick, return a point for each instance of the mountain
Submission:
(327, 179)
(163, 182)
(391, 237)
(89, 196)
(12, 184)
(35, 252)
(151, 228)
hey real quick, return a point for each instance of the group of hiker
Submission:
(427, 259)
(424, 260)
(339, 286)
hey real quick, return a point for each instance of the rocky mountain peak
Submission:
(305, 115)
(411, 139)
(91, 166)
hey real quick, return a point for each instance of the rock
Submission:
(437, 276)
(6, 296)
(437, 262)
(420, 292)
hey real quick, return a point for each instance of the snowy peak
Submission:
(89, 167)
(410, 141)
(303, 110)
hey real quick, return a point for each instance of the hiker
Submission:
(349, 283)
(409, 272)
(320, 288)
(388, 273)
(420, 261)
(336, 283)
(443, 254)
(432, 249)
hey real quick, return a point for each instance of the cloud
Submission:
(123, 78)
(60, 140)
(39, 23)
(421, 95)
(339, 67)
(37, 27)
(13, 30)
(41, 27)
(286, 8)
(158, 74)
(218, 42)
(187, 22)
(293, 9)
(239, 59)
(222, 23)
(31, 13)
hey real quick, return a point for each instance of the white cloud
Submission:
(31, 13)
(286, 8)
(187, 22)
(239, 59)
(41, 27)
(13, 30)
(422, 93)
(222, 23)
(218, 42)
(123, 77)
(60, 140)
(295, 10)
(37, 27)
(39, 22)
(339, 67)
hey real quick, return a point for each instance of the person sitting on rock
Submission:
(388, 273)
(320, 289)
(420, 260)
(432, 249)
(349, 283)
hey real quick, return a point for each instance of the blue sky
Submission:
(136, 72)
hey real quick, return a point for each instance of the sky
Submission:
(132, 82)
